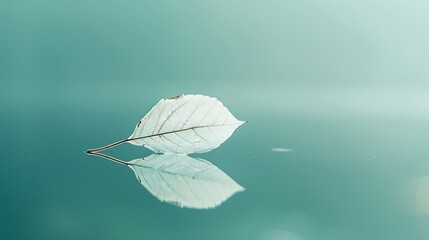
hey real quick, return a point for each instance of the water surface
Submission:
(335, 95)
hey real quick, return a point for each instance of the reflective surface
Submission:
(336, 95)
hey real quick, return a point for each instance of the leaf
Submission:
(184, 181)
(185, 124)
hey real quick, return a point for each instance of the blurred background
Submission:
(336, 94)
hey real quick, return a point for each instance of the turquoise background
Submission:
(344, 84)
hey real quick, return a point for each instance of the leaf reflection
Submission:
(182, 180)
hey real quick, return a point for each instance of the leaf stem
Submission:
(95, 150)
(153, 135)
(109, 158)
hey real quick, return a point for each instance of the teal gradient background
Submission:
(344, 84)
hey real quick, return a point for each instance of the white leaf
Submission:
(185, 124)
(184, 181)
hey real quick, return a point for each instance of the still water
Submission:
(304, 178)
(335, 95)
